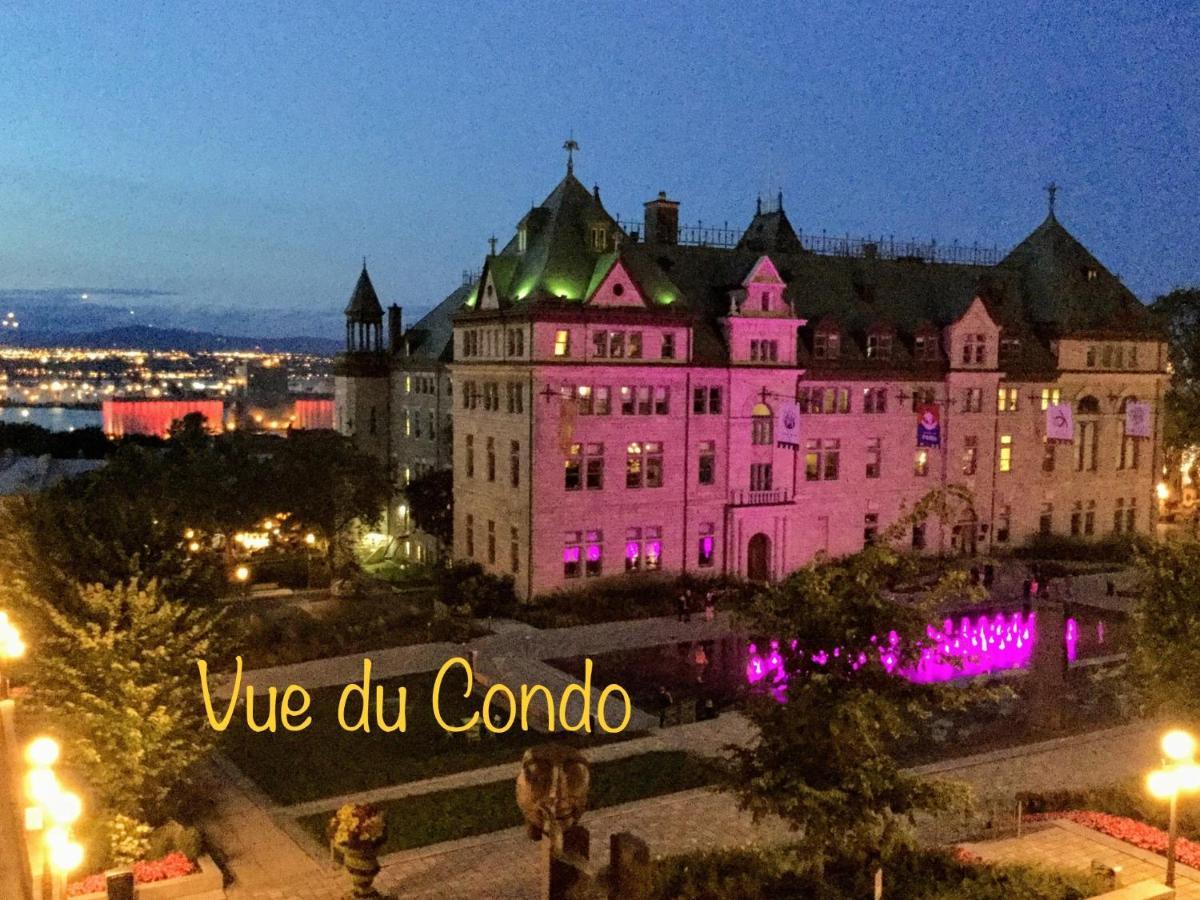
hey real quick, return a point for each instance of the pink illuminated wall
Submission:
(154, 417)
(313, 413)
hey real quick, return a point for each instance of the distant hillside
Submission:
(147, 337)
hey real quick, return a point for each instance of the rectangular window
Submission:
(1077, 519)
(662, 402)
(583, 399)
(491, 545)
(879, 346)
(821, 459)
(652, 548)
(1050, 397)
(514, 549)
(1007, 399)
(761, 478)
(668, 345)
(645, 397)
(921, 463)
(760, 431)
(874, 457)
(926, 347)
(1006, 448)
(827, 345)
(922, 396)
(1010, 350)
(1085, 447)
(600, 344)
(973, 400)
(470, 535)
(1106, 356)
(572, 555)
(1131, 516)
(491, 459)
(974, 349)
(594, 556)
(594, 467)
(707, 467)
(514, 463)
(699, 401)
(628, 404)
(633, 549)
(918, 536)
(874, 400)
(1046, 519)
(602, 401)
(1048, 454)
(616, 345)
(970, 460)
(572, 468)
(562, 342)
(870, 528)
(1089, 518)
(470, 452)
(1003, 524)
(706, 547)
(635, 345)
(644, 465)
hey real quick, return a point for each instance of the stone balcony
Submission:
(776, 497)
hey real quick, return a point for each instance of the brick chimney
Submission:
(662, 220)
(395, 329)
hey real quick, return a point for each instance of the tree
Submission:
(1179, 314)
(824, 758)
(117, 677)
(328, 485)
(1165, 656)
(431, 503)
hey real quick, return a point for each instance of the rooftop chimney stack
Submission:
(662, 220)
(395, 328)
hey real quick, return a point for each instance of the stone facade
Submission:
(616, 401)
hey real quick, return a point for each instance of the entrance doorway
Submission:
(758, 558)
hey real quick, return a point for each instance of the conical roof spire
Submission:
(364, 303)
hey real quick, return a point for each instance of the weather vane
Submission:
(1051, 190)
(571, 145)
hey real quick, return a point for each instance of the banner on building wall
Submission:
(567, 409)
(1060, 423)
(1137, 418)
(787, 428)
(929, 426)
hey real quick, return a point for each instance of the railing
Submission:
(759, 498)
(824, 244)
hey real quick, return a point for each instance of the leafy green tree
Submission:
(431, 503)
(328, 485)
(1179, 314)
(825, 756)
(1165, 657)
(117, 677)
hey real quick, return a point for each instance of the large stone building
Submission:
(658, 398)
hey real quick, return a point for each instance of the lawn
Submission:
(326, 761)
(462, 812)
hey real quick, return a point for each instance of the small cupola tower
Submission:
(364, 317)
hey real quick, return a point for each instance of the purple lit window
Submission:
(570, 562)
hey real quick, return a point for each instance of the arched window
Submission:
(1087, 406)
(762, 425)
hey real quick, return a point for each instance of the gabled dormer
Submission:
(761, 292)
(616, 287)
(881, 342)
(827, 340)
(761, 328)
(973, 341)
(927, 344)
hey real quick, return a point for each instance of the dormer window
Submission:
(599, 238)
(926, 347)
(879, 346)
(766, 301)
(1010, 349)
(522, 239)
(974, 349)
(1090, 273)
(827, 344)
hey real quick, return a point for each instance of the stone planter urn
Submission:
(356, 834)
(362, 865)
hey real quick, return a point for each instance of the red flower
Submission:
(173, 865)
(1139, 834)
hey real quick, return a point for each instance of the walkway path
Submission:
(1071, 846)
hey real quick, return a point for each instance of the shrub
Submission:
(174, 838)
(638, 596)
(1126, 798)
(469, 584)
(1114, 551)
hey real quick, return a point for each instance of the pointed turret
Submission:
(364, 317)
(770, 231)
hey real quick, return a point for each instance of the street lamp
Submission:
(1179, 775)
(52, 813)
(11, 647)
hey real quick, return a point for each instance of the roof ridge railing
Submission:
(825, 244)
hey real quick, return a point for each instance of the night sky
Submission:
(241, 161)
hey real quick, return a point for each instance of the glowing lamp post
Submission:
(1179, 775)
(52, 812)
(11, 647)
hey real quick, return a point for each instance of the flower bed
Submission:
(1139, 834)
(173, 865)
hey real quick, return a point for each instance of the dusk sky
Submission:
(243, 157)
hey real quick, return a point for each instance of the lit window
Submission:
(603, 401)
(562, 342)
(1006, 448)
(594, 554)
(1050, 397)
(572, 555)
(1007, 399)
(921, 463)
(821, 459)
(705, 551)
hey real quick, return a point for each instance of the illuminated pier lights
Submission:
(986, 645)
